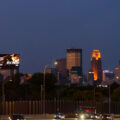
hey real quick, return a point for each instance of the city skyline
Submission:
(41, 31)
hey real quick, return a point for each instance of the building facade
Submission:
(74, 64)
(90, 77)
(117, 72)
(96, 66)
(61, 69)
(108, 75)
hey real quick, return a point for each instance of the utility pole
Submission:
(3, 92)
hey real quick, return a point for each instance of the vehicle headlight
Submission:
(9, 118)
(76, 114)
(82, 116)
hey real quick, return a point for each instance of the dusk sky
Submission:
(41, 30)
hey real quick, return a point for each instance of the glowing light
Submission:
(96, 54)
(117, 77)
(82, 116)
(55, 63)
(91, 72)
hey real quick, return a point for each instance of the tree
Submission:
(116, 94)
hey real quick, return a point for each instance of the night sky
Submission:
(41, 30)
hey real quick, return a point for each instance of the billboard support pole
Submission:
(3, 95)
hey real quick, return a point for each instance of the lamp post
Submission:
(58, 78)
(58, 74)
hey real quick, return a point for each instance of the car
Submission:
(85, 110)
(82, 116)
(95, 116)
(16, 117)
(107, 117)
(59, 116)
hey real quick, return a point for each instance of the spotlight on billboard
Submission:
(9, 61)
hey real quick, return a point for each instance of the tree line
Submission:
(31, 90)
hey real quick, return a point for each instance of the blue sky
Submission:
(42, 30)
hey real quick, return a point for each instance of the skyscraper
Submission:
(90, 77)
(74, 58)
(96, 66)
(61, 69)
(117, 72)
(108, 75)
(74, 64)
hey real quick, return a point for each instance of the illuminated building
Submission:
(117, 72)
(76, 75)
(107, 75)
(96, 66)
(74, 58)
(9, 65)
(61, 69)
(74, 64)
(90, 77)
(25, 77)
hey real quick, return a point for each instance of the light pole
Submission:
(58, 74)
(58, 78)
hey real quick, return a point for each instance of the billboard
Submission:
(9, 61)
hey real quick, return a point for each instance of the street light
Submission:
(58, 74)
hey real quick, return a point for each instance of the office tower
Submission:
(90, 77)
(74, 64)
(74, 58)
(61, 69)
(107, 75)
(96, 66)
(117, 72)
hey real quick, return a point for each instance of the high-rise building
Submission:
(117, 72)
(90, 77)
(74, 58)
(108, 75)
(61, 69)
(74, 64)
(61, 65)
(96, 66)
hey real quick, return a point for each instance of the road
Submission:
(42, 117)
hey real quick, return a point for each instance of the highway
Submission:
(46, 117)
